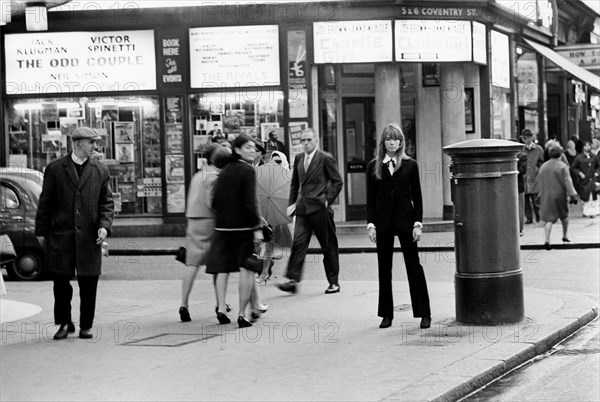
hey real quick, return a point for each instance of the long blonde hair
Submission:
(391, 131)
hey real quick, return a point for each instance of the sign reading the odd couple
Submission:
(235, 56)
(66, 62)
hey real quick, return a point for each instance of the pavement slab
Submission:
(308, 346)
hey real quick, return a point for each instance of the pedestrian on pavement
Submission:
(200, 222)
(316, 183)
(556, 187)
(260, 151)
(521, 169)
(237, 228)
(74, 216)
(535, 159)
(395, 208)
(587, 169)
(280, 158)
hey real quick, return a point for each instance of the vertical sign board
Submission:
(500, 60)
(297, 74)
(171, 60)
(67, 62)
(433, 40)
(234, 56)
(352, 41)
(479, 43)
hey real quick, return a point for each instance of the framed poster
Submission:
(123, 132)
(125, 153)
(174, 165)
(469, 111)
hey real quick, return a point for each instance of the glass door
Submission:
(359, 144)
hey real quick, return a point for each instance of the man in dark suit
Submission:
(315, 184)
(74, 216)
(395, 208)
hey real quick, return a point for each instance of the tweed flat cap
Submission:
(85, 132)
(526, 133)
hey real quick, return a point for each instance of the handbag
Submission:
(181, 254)
(267, 231)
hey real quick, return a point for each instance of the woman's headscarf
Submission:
(284, 162)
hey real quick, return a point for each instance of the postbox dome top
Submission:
(483, 145)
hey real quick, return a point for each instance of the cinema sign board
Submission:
(433, 40)
(67, 62)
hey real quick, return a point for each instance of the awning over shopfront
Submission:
(581, 73)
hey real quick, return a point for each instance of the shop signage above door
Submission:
(68, 62)
(433, 40)
(352, 41)
(586, 56)
(234, 56)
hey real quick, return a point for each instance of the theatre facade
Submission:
(156, 83)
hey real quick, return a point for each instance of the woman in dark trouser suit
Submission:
(395, 208)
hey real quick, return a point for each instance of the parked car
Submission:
(20, 191)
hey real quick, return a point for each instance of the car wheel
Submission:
(28, 266)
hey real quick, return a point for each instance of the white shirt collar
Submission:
(310, 155)
(388, 158)
(77, 160)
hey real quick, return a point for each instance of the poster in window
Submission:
(174, 133)
(152, 153)
(431, 74)
(469, 111)
(127, 192)
(233, 120)
(125, 153)
(175, 168)
(201, 143)
(175, 198)
(127, 172)
(123, 132)
(68, 125)
(53, 142)
(265, 128)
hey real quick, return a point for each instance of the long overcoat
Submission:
(70, 212)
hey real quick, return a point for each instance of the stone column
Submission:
(452, 85)
(387, 96)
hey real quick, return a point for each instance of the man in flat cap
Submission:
(74, 216)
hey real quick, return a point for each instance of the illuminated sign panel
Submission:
(479, 43)
(500, 60)
(433, 40)
(234, 56)
(352, 41)
(66, 62)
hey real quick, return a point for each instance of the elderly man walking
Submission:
(74, 216)
(316, 183)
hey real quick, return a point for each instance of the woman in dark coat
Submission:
(586, 167)
(395, 208)
(556, 187)
(237, 226)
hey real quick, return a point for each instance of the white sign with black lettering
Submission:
(352, 41)
(433, 40)
(234, 56)
(66, 62)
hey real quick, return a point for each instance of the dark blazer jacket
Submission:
(394, 198)
(234, 197)
(71, 209)
(322, 182)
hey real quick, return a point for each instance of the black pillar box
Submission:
(488, 278)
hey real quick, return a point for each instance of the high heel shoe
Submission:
(184, 314)
(228, 308)
(566, 240)
(257, 313)
(547, 246)
(243, 323)
(223, 319)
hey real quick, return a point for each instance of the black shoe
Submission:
(333, 288)
(85, 334)
(547, 246)
(184, 314)
(223, 319)
(243, 323)
(386, 322)
(425, 322)
(566, 240)
(257, 313)
(528, 222)
(64, 331)
(289, 286)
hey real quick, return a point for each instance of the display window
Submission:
(218, 117)
(39, 132)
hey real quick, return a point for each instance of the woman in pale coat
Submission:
(556, 187)
(200, 221)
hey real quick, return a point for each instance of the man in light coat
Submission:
(74, 216)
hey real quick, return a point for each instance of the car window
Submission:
(8, 198)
